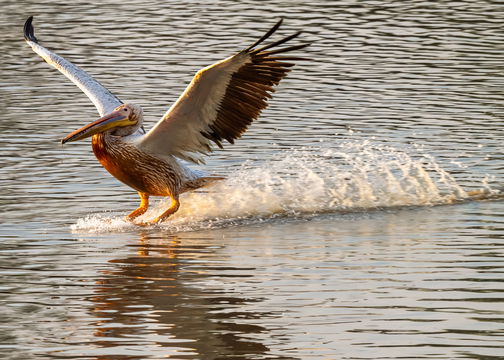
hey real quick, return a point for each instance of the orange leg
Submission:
(144, 205)
(175, 203)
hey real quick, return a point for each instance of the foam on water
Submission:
(353, 177)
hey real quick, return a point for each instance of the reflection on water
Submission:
(147, 299)
(322, 244)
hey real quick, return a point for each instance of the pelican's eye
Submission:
(125, 109)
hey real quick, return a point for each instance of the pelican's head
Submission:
(125, 120)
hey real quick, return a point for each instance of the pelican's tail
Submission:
(200, 182)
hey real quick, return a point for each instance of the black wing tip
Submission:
(266, 35)
(252, 50)
(29, 34)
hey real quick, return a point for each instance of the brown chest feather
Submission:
(136, 169)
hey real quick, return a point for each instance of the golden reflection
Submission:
(157, 297)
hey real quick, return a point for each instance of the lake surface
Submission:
(345, 228)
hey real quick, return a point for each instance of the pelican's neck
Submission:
(101, 143)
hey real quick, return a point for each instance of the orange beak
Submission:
(114, 119)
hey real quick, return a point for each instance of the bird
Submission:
(218, 105)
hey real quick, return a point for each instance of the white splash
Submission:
(356, 176)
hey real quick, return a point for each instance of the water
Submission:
(345, 228)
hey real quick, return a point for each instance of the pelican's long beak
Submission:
(112, 120)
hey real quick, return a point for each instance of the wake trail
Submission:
(354, 177)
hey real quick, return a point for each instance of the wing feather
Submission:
(221, 101)
(102, 98)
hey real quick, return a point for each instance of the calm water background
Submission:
(323, 244)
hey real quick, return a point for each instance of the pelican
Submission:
(219, 104)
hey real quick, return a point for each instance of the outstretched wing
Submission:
(103, 99)
(221, 101)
